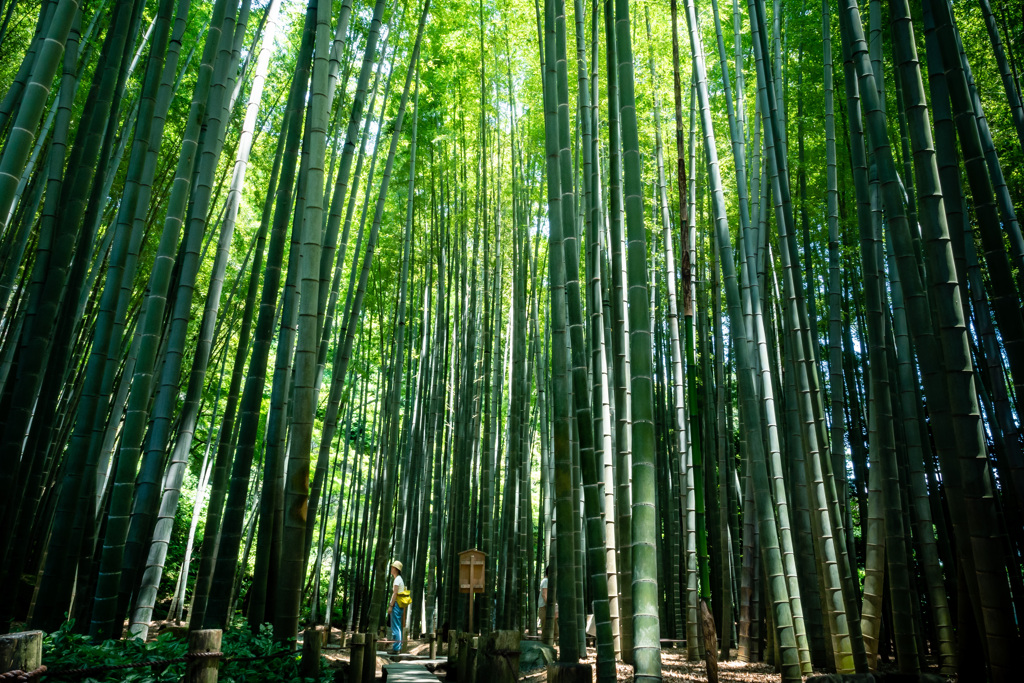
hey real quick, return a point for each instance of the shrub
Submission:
(66, 649)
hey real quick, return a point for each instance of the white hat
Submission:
(397, 565)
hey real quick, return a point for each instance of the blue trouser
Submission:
(396, 628)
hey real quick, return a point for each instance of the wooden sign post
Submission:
(471, 576)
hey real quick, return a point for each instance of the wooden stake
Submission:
(369, 660)
(357, 652)
(497, 659)
(21, 651)
(463, 666)
(203, 669)
(568, 672)
(309, 667)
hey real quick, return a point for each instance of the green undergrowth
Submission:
(66, 649)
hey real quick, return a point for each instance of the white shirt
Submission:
(541, 602)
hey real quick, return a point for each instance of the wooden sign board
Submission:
(471, 571)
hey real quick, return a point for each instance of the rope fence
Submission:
(42, 671)
(19, 675)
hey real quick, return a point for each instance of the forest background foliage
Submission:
(451, 401)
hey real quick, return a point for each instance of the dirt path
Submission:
(675, 667)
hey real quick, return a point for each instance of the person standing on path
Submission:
(396, 611)
(542, 608)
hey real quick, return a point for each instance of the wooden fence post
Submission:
(464, 661)
(357, 651)
(309, 667)
(497, 658)
(369, 660)
(566, 672)
(21, 651)
(474, 645)
(203, 669)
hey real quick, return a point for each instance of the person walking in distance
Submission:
(395, 609)
(542, 608)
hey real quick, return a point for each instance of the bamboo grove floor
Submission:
(675, 665)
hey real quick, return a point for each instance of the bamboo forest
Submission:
(663, 339)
